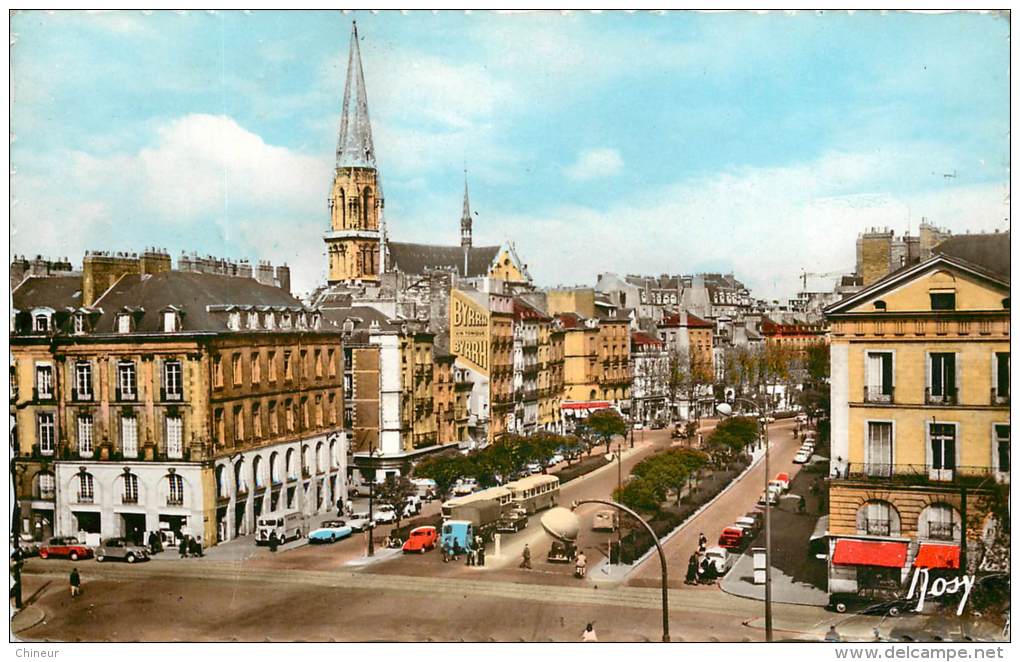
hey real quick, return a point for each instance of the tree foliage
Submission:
(606, 424)
(394, 492)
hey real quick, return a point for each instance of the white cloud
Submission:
(764, 224)
(595, 164)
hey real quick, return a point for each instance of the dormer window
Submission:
(41, 322)
(234, 321)
(253, 320)
(170, 322)
(79, 324)
(124, 323)
(285, 321)
(316, 321)
(270, 320)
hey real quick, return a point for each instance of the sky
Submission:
(754, 143)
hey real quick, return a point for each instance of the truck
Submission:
(483, 510)
(287, 526)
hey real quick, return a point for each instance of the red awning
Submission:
(586, 405)
(870, 552)
(938, 556)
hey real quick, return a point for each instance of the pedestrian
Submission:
(350, 509)
(580, 565)
(75, 581)
(589, 633)
(832, 635)
(339, 507)
(526, 557)
(196, 547)
(183, 547)
(481, 551)
(274, 542)
(692, 570)
(472, 555)
(801, 505)
(702, 542)
(457, 550)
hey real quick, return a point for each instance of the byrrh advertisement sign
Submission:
(469, 331)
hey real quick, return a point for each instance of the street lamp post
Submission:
(371, 499)
(563, 524)
(726, 410)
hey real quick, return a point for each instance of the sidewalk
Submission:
(27, 618)
(242, 548)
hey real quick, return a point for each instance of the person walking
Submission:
(702, 542)
(75, 581)
(196, 547)
(274, 542)
(339, 507)
(580, 565)
(692, 570)
(526, 557)
(480, 547)
(183, 547)
(589, 633)
(457, 550)
(801, 505)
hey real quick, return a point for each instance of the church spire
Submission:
(465, 219)
(354, 148)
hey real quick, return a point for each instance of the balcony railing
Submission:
(917, 474)
(125, 396)
(84, 497)
(81, 396)
(175, 500)
(42, 395)
(999, 397)
(947, 397)
(171, 395)
(940, 530)
(879, 394)
(129, 498)
(877, 527)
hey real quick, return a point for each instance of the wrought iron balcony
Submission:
(877, 527)
(947, 397)
(916, 474)
(940, 530)
(879, 394)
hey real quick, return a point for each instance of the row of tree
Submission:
(512, 453)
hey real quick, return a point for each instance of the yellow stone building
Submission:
(190, 401)
(920, 414)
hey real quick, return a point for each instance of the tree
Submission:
(670, 471)
(731, 436)
(444, 469)
(606, 424)
(394, 492)
(639, 494)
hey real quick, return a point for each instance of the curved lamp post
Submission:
(563, 524)
(725, 409)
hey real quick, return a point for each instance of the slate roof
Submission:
(419, 258)
(192, 293)
(363, 316)
(47, 292)
(989, 252)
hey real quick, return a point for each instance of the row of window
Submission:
(942, 385)
(126, 385)
(129, 485)
(289, 366)
(290, 411)
(46, 434)
(941, 455)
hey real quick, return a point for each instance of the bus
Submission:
(500, 495)
(535, 493)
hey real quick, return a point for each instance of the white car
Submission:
(465, 486)
(773, 497)
(639, 426)
(720, 558)
(556, 459)
(802, 417)
(802, 457)
(385, 514)
(360, 521)
(535, 468)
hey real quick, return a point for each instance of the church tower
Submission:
(356, 200)
(465, 226)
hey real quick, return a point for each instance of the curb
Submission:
(27, 619)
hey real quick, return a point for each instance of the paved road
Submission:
(740, 498)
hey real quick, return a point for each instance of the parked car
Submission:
(758, 517)
(783, 478)
(121, 549)
(465, 486)
(778, 485)
(64, 547)
(330, 531)
(534, 468)
(870, 605)
(748, 524)
(556, 459)
(802, 457)
(720, 558)
(732, 537)
(773, 496)
(288, 526)
(639, 426)
(767, 419)
(512, 521)
(605, 520)
(421, 539)
(26, 545)
(385, 514)
(561, 552)
(802, 417)
(360, 521)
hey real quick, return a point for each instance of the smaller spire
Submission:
(465, 222)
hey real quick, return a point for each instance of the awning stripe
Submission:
(870, 552)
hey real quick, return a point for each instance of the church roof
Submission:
(419, 258)
(354, 148)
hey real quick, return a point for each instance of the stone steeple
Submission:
(465, 226)
(354, 149)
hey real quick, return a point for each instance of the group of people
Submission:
(190, 546)
(700, 568)
(474, 554)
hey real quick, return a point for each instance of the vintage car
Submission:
(512, 521)
(121, 549)
(773, 496)
(748, 524)
(360, 521)
(783, 478)
(732, 537)
(421, 540)
(561, 552)
(720, 558)
(802, 457)
(385, 514)
(605, 520)
(465, 486)
(330, 531)
(64, 547)
(873, 605)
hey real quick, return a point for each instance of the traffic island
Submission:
(27, 618)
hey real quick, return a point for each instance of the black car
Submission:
(871, 606)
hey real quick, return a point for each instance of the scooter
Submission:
(580, 571)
